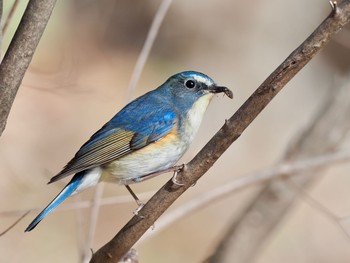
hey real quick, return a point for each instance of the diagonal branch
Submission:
(279, 171)
(20, 53)
(243, 240)
(232, 129)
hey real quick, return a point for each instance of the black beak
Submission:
(220, 89)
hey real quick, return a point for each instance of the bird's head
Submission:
(188, 87)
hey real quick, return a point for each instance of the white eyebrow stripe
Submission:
(204, 80)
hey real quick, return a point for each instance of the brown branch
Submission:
(1, 13)
(326, 131)
(20, 53)
(233, 128)
(279, 171)
(244, 238)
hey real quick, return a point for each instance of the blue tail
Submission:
(67, 191)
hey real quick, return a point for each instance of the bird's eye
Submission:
(190, 84)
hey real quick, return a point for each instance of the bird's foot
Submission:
(137, 210)
(175, 179)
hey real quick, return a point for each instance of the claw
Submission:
(137, 210)
(174, 179)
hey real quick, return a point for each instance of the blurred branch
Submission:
(94, 213)
(283, 170)
(1, 35)
(245, 236)
(324, 133)
(20, 53)
(319, 207)
(14, 223)
(9, 16)
(244, 239)
(146, 49)
(140, 63)
(232, 129)
(81, 204)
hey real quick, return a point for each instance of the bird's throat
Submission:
(195, 115)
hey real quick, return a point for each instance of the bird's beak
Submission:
(220, 89)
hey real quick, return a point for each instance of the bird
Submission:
(149, 135)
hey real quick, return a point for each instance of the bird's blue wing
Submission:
(140, 123)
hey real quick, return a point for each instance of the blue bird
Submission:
(147, 136)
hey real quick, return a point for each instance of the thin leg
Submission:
(138, 202)
(175, 168)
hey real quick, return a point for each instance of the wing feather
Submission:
(116, 139)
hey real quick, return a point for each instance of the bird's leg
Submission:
(138, 202)
(175, 179)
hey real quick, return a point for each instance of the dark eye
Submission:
(190, 84)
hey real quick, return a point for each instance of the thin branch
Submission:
(14, 224)
(9, 16)
(233, 128)
(80, 219)
(95, 209)
(151, 36)
(20, 53)
(319, 207)
(140, 63)
(113, 200)
(1, 17)
(324, 132)
(283, 170)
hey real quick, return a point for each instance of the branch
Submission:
(1, 11)
(324, 132)
(233, 128)
(146, 49)
(20, 53)
(9, 16)
(14, 223)
(337, 220)
(283, 170)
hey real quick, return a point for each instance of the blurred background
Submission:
(78, 80)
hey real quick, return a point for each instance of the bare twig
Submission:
(157, 21)
(243, 240)
(82, 204)
(9, 16)
(151, 36)
(95, 209)
(232, 129)
(282, 170)
(1, 11)
(286, 169)
(324, 133)
(319, 207)
(14, 224)
(20, 53)
(140, 63)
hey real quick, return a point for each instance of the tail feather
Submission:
(67, 191)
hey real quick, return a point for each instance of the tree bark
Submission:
(20, 53)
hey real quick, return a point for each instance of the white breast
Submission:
(195, 116)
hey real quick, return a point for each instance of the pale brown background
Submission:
(78, 80)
